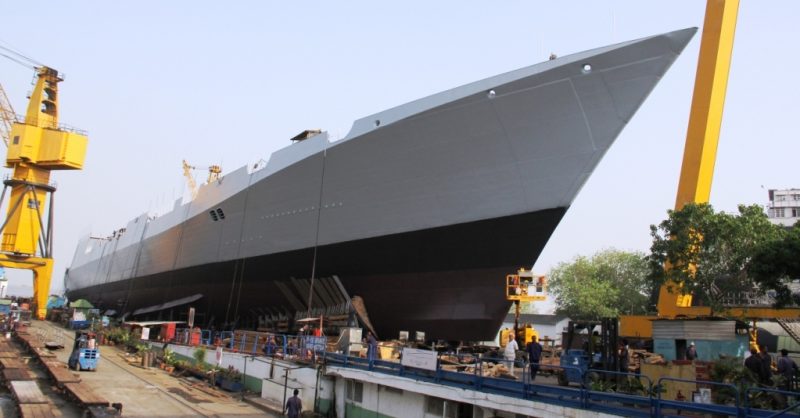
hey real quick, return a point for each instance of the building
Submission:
(784, 206)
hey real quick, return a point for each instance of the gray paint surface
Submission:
(453, 157)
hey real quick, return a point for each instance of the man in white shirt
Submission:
(510, 353)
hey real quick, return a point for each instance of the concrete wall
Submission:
(282, 378)
(268, 376)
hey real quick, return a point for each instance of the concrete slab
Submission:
(150, 392)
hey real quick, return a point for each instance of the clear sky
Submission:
(228, 83)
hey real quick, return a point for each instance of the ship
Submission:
(420, 211)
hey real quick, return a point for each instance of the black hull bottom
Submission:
(447, 281)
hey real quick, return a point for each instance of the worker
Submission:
(786, 368)
(766, 365)
(753, 363)
(623, 356)
(372, 346)
(534, 356)
(510, 353)
(691, 352)
(269, 347)
(293, 406)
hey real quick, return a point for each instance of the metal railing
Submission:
(634, 396)
(603, 391)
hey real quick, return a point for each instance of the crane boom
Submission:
(705, 120)
(700, 153)
(7, 116)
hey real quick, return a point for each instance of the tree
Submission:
(707, 253)
(608, 284)
(777, 263)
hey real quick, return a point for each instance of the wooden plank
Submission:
(17, 374)
(13, 363)
(44, 353)
(9, 354)
(85, 395)
(39, 411)
(60, 373)
(27, 391)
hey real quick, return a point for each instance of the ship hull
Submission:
(421, 210)
(408, 273)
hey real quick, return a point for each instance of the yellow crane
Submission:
(37, 145)
(699, 157)
(214, 173)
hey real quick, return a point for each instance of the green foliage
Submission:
(118, 335)
(608, 284)
(231, 373)
(708, 252)
(777, 262)
(199, 355)
(169, 357)
(142, 348)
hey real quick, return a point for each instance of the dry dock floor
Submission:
(143, 392)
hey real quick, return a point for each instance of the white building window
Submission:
(795, 212)
(780, 197)
(779, 213)
(355, 391)
(434, 406)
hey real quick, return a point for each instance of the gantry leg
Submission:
(42, 269)
(41, 287)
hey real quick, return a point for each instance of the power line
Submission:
(17, 61)
(19, 54)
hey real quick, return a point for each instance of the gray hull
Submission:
(421, 209)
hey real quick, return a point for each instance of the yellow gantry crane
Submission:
(37, 145)
(699, 157)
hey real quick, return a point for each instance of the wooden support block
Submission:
(60, 373)
(44, 353)
(12, 363)
(27, 391)
(39, 411)
(84, 395)
(18, 374)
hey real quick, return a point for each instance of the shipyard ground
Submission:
(143, 392)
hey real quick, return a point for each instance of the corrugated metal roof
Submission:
(694, 330)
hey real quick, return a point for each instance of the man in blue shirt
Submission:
(534, 355)
(372, 346)
(293, 406)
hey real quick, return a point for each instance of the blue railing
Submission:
(644, 399)
(634, 396)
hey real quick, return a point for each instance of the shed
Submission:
(712, 338)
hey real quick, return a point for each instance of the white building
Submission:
(784, 206)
